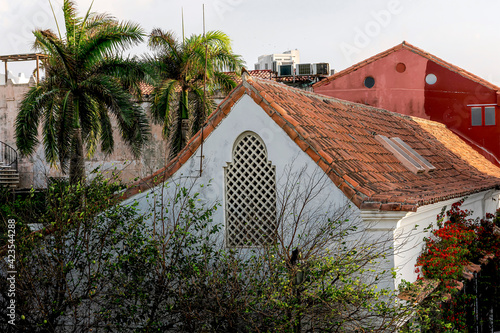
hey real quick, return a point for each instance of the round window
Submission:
(430, 79)
(400, 68)
(369, 82)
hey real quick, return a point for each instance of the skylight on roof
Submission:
(412, 160)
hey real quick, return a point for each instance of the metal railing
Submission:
(8, 156)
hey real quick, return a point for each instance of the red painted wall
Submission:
(447, 101)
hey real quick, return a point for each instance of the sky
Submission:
(340, 32)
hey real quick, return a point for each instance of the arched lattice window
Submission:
(250, 194)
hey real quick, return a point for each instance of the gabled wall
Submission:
(393, 91)
(217, 152)
(404, 229)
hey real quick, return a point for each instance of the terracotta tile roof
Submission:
(340, 137)
(147, 89)
(419, 290)
(262, 74)
(301, 78)
(407, 46)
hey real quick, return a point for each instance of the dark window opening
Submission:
(369, 82)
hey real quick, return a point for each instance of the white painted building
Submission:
(282, 63)
(264, 132)
(19, 79)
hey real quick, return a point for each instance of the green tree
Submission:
(106, 266)
(87, 83)
(179, 67)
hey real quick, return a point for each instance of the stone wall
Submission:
(34, 170)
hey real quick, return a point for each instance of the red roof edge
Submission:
(412, 48)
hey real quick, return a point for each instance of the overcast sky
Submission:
(341, 32)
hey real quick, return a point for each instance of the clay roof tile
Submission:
(340, 137)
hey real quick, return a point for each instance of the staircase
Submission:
(9, 175)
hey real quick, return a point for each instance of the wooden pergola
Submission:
(24, 57)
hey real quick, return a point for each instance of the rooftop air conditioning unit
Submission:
(285, 70)
(304, 69)
(322, 68)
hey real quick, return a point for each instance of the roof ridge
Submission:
(428, 121)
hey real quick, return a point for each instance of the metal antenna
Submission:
(204, 90)
(182, 14)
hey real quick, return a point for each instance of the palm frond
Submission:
(164, 42)
(130, 72)
(201, 107)
(36, 100)
(106, 135)
(163, 97)
(223, 81)
(131, 119)
(65, 128)
(175, 138)
(49, 132)
(110, 38)
(56, 49)
(95, 21)
(71, 20)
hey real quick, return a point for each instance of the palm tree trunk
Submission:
(76, 163)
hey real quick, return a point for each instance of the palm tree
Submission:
(181, 69)
(87, 83)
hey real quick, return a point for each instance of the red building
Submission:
(408, 80)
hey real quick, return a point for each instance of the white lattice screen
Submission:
(250, 195)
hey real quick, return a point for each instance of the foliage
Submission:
(59, 274)
(135, 268)
(448, 250)
(182, 69)
(19, 206)
(87, 83)
(458, 242)
(320, 275)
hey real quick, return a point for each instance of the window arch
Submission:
(250, 183)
